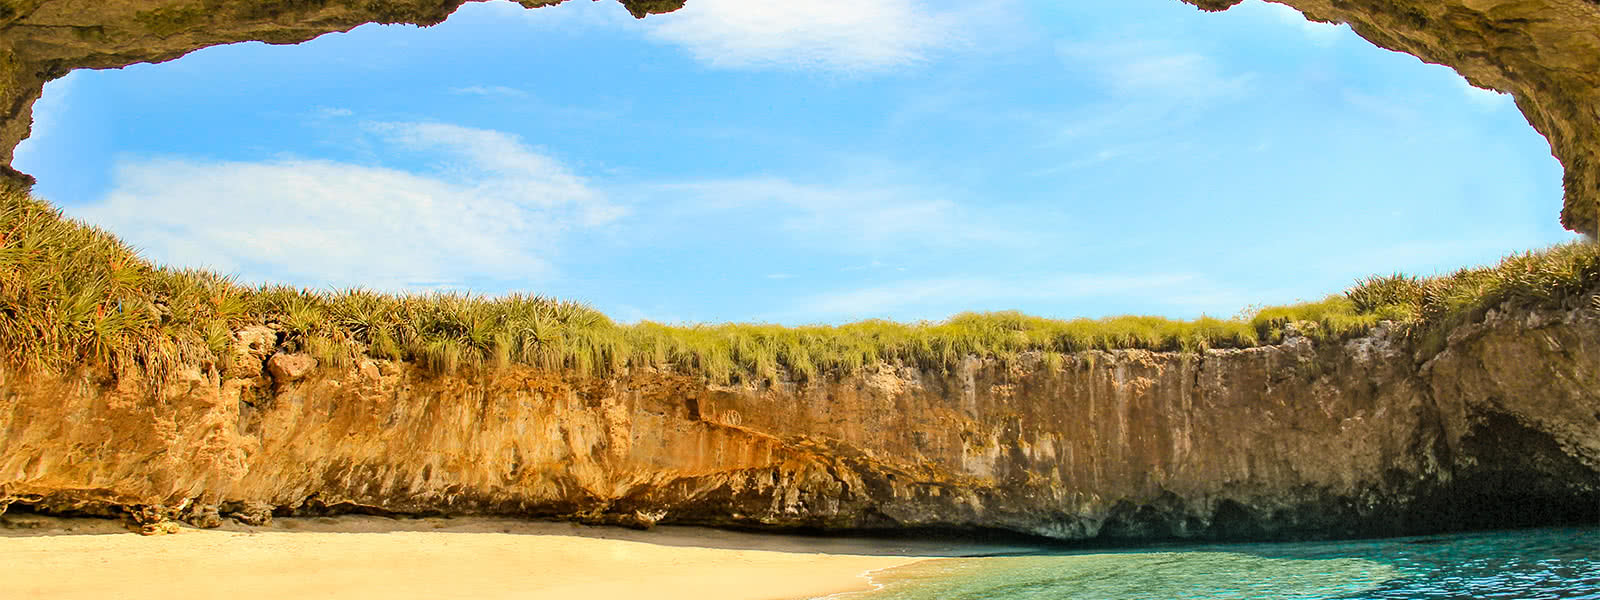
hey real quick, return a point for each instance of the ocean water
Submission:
(1522, 564)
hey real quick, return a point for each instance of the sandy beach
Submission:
(377, 558)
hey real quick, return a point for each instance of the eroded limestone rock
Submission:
(248, 353)
(286, 368)
(255, 514)
(204, 516)
(1373, 435)
(161, 528)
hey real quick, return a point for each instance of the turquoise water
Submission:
(1525, 564)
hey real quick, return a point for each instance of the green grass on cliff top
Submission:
(71, 294)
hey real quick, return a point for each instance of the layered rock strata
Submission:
(1300, 439)
(1546, 53)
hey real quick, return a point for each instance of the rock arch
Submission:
(1546, 53)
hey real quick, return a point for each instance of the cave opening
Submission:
(827, 164)
(709, 166)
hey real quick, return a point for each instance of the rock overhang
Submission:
(1545, 53)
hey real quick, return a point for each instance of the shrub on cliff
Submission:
(72, 294)
(1550, 276)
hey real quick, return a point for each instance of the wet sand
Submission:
(482, 559)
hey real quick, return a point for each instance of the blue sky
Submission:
(810, 162)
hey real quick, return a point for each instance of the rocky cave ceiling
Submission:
(1546, 53)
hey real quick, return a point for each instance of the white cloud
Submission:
(494, 212)
(832, 35)
(502, 167)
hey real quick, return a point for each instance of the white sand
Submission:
(480, 559)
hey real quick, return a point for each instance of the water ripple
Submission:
(1556, 564)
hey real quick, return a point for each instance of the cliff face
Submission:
(1544, 52)
(1363, 437)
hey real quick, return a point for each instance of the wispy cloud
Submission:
(1151, 68)
(326, 112)
(491, 211)
(491, 91)
(1391, 109)
(1485, 99)
(1317, 32)
(937, 298)
(566, 18)
(850, 213)
(47, 114)
(1143, 151)
(830, 35)
(1149, 89)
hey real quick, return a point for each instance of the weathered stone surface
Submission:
(161, 528)
(286, 368)
(204, 516)
(248, 513)
(251, 348)
(1501, 427)
(1544, 52)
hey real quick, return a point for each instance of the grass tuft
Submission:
(71, 295)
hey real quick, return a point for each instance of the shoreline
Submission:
(362, 557)
(871, 583)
